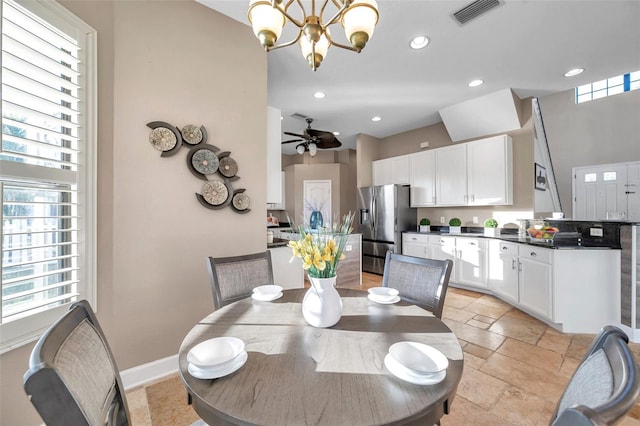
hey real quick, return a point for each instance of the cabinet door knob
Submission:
(504, 248)
(472, 244)
(533, 254)
(513, 264)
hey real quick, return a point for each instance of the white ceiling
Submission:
(525, 45)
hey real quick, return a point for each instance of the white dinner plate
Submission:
(267, 298)
(418, 357)
(384, 293)
(269, 290)
(401, 372)
(214, 373)
(215, 352)
(384, 302)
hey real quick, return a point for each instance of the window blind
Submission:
(43, 163)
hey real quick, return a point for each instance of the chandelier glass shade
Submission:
(358, 18)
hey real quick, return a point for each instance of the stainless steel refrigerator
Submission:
(383, 215)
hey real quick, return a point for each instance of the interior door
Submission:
(600, 192)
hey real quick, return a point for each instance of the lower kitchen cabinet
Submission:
(471, 262)
(286, 274)
(502, 269)
(535, 283)
(575, 290)
(415, 245)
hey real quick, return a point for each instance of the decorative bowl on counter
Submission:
(544, 233)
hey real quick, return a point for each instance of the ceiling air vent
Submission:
(474, 9)
(298, 115)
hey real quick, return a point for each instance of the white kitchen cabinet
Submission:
(451, 175)
(471, 262)
(502, 270)
(490, 171)
(535, 280)
(477, 173)
(443, 248)
(393, 170)
(422, 178)
(281, 205)
(274, 157)
(287, 273)
(415, 245)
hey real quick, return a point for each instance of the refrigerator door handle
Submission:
(374, 214)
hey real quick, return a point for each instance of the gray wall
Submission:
(180, 62)
(603, 131)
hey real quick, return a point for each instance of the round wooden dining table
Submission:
(298, 375)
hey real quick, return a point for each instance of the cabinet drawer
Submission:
(535, 253)
(439, 240)
(471, 243)
(504, 248)
(415, 238)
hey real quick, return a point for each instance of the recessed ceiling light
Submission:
(376, 118)
(573, 72)
(319, 95)
(475, 83)
(419, 42)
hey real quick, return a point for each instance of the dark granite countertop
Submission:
(278, 242)
(569, 242)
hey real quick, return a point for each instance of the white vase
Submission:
(322, 305)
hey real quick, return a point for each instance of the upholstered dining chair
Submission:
(73, 378)
(234, 278)
(604, 387)
(420, 281)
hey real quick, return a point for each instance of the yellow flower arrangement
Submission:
(321, 251)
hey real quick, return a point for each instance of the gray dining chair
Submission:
(73, 378)
(234, 278)
(604, 387)
(420, 281)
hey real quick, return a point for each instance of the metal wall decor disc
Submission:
(240, 201)
(205, 161)
(215, 193)
(191, 134)
(228, 167)
(162, 139)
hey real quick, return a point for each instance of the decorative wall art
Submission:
(317, 203)
(540, 177)
(205, 162)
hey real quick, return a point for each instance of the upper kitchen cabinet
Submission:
(451, 176)
(422, 178)
(490, 171)
(394, 170)
(478, 173)
(281, 205)
(274, 157)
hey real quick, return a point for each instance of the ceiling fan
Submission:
(313, 139)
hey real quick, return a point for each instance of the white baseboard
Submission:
(149, 372)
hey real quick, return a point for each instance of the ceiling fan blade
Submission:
(292, 140)
(318, 133)
(335, 143)
(296, 134)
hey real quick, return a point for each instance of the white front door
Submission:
(600, 192)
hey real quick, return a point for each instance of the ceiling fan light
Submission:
(313, 149)
(359, 21)
(267, 22)
(300, 149)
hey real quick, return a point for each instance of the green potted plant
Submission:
(425, 225)
(455, 225)
(490, 227)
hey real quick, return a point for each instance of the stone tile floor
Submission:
(516, 368)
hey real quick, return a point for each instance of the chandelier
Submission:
(358, 18)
